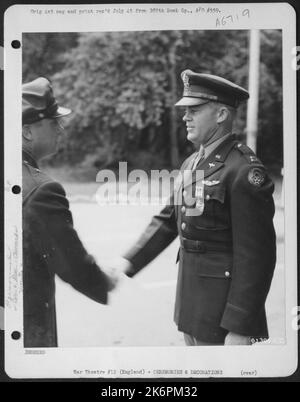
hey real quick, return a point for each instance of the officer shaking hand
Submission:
(228, 247)
(50, 243)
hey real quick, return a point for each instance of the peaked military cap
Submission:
(203, 88)
(38, 102)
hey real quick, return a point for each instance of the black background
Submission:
(90, 390)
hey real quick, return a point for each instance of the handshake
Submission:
(114, 271)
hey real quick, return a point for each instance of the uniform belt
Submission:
(198, 246)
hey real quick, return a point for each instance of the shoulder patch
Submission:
(256, 177)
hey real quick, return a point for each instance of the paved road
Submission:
(140, 312)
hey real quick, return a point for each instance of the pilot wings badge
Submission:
(211, 182)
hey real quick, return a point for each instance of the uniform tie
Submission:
(199, 157)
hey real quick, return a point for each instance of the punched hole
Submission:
(16, 335)
(16, 44)
(16, 189)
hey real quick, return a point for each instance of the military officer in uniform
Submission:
(50, 243)
(228, 247)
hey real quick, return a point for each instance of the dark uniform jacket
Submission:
(228, 251)
(51, 246)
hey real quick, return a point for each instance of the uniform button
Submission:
(208, 197)
(227, 274)
(184, 193)
(47, 305)
(183, 209)
(183, 226)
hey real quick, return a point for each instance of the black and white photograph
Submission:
(156, 161)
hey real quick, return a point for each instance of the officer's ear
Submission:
(26, 132)
(223, 114)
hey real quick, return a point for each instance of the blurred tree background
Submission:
(122, 87)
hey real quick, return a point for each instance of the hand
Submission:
(112, 280)
(114, 271)
(237, 339)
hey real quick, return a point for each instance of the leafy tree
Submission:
(122, 87)
(42, 53)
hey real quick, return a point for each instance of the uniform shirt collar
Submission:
(28, 158)
(214, 145)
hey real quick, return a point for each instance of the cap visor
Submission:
(62, 111)
(188, 101)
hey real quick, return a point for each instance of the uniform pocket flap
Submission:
(214, 271)
(214, 192)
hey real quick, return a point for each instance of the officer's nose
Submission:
(187, 116)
